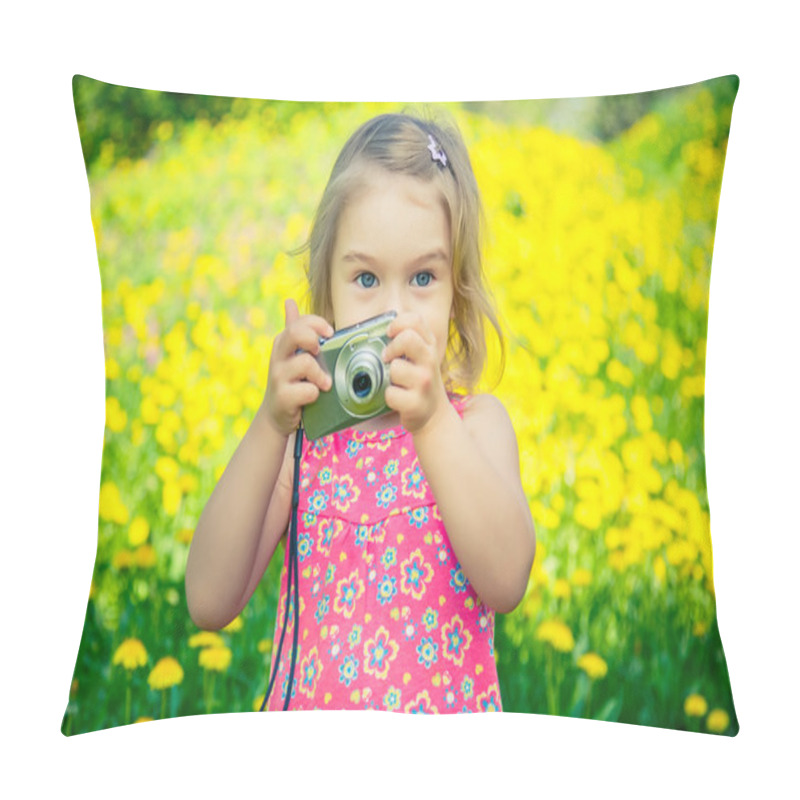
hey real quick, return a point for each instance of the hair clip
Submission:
(437, 154)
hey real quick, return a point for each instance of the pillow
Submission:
(601, 215)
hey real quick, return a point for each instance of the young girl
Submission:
(413, 528)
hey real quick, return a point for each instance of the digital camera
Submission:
(352, 357)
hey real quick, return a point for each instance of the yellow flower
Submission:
(138, 531)
(116, 418)
(131, 654)
(717, 721)
(695, 705)
(206, 639)
(168, 672)
(593, 665)
(265, 646)
(234, 625)
(581, 577)
(699, 629)
(184, 535)
(143, 719)
(145, 556)
(111, 506)
(216, 658)
(123, 559)
(561, 589)
(171, 497)
(556, 634)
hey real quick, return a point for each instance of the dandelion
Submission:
(234, 625)
(556, 634)
(131, 654)
(561, 589)
(112, 508)
(206, 639)
(717, 721)
(559, 637)
(164, 675)
(695, 706)
(213, 659)
(138, 532)
(593, 665)
(581, 577)
(145, 556)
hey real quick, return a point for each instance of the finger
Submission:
(409, 320)
(408, 344)
(290, 310)
(406, 374)
(304, 366)
(304, 333)
(296, 395)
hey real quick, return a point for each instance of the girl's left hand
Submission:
(417, 391)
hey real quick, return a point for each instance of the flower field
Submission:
(599, 255)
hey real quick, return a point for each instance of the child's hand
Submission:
(417, 391)
(295, 379)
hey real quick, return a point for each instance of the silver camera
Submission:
(352, 357)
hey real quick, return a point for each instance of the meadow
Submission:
(599, 256)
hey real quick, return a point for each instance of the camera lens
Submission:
(362, 384)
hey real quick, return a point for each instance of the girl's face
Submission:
(392, 252)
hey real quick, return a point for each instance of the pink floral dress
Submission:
(388, 620)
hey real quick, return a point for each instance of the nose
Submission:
(396, 299)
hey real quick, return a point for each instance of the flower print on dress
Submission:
(450, 697)
(430, 619)
(392, 699)
(318, 501)
(386, 495)
(348, 671)
(387, 589)
(327, 531)
(416, 574)
(456, 640)
(354, 637)
(418, 516)
(325, 476)
(458, 580)
(379, 653)
(413, 481)
(344, 493)
(323, 607)
(319, 447)
(489, 700)
(391, 467)
(348, 591)
(427, 652)
(389, 558)
(310, 670)
(421, 704)
(353, 446)
(305, 545)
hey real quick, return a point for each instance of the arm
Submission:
(239, 528)
(247, 513)
(472, 466)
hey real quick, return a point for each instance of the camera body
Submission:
(352, 357)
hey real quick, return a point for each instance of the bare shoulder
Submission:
(484, 412)
(488, 421)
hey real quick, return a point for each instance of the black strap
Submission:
(291, 576)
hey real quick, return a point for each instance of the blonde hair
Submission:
(399, 143)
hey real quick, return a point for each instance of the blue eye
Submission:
(423, 278)
(366, 279)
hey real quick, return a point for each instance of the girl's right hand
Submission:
(295, 379)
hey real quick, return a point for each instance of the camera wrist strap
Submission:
(291, 577)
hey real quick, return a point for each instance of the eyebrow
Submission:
(433, 255)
